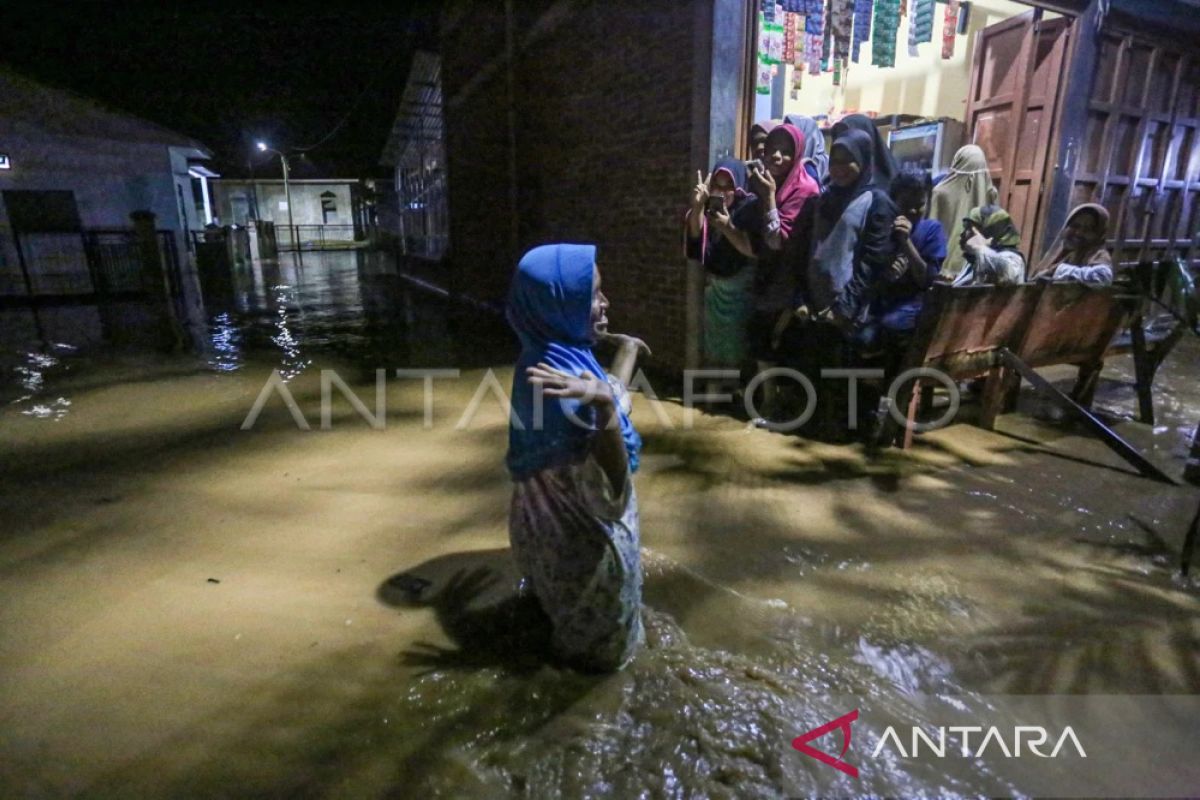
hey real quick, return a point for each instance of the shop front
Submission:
(1071, 102)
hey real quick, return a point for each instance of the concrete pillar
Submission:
(262, 239)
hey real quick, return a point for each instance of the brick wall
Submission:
(604, 145)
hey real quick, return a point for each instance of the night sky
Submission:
(231, 76)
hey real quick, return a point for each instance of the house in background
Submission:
(416, 151)
(70, 168)
(331, 209)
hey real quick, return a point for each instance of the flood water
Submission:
(193, 609)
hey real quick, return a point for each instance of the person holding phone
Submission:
(788, 196)
(723, 233)
(921, 248)
(854, 234)
(990, 242)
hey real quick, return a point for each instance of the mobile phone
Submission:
(715, 204)
(755, 164)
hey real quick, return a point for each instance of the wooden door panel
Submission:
(1018, 197)
(1183, 141)
(1146, 171)
(1015, 90)
(1106, 70)
(1158, 95)
(1000, 45)
(992, 135)
(1137, 72)
(1029, 135)
(1046, 77)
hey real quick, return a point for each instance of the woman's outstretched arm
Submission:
(625, 360)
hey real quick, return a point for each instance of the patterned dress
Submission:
(577, 543)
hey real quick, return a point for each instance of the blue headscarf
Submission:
(550, 308)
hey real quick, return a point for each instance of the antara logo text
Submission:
(966, 741)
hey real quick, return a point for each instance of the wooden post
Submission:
(154, 279)
(997, 391)
(1106, 434)
(1144, 374)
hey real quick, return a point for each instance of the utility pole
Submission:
(287, 192)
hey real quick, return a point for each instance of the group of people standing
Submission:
(816, 258)
(813, 260)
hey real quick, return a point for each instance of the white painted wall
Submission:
(927, 84)
(272, 204)
(109, 180)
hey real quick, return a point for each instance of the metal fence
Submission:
(314, 237)
(86, 265)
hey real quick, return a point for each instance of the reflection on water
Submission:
(226, 343)
(351, 306)
(291, 358)
(780, 576)
(31, 378)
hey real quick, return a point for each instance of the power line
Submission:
(361, 96)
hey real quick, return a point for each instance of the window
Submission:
(328, 208)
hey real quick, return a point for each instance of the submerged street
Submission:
(193, 609)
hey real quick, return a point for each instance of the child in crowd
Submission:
(921, 248)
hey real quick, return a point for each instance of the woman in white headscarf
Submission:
(968, 186)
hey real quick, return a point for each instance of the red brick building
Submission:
(592, 133)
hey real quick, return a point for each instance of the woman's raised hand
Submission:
(586, 388)
(624, 341)
(700, 192)
(721, 219)
(764, 183)
(975, 242)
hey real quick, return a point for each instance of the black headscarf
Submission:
(721, 258)
(875, 248)
(884, 164)
(837, 198)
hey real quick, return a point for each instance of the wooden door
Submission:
(1012, 106)
(1139, 147)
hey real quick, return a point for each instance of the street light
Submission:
(287, 191)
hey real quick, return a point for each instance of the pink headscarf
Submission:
(797, 187)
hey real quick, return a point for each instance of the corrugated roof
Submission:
(418, 122)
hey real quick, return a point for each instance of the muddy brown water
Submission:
(190, 609)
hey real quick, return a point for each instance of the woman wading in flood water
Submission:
(573, 522)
